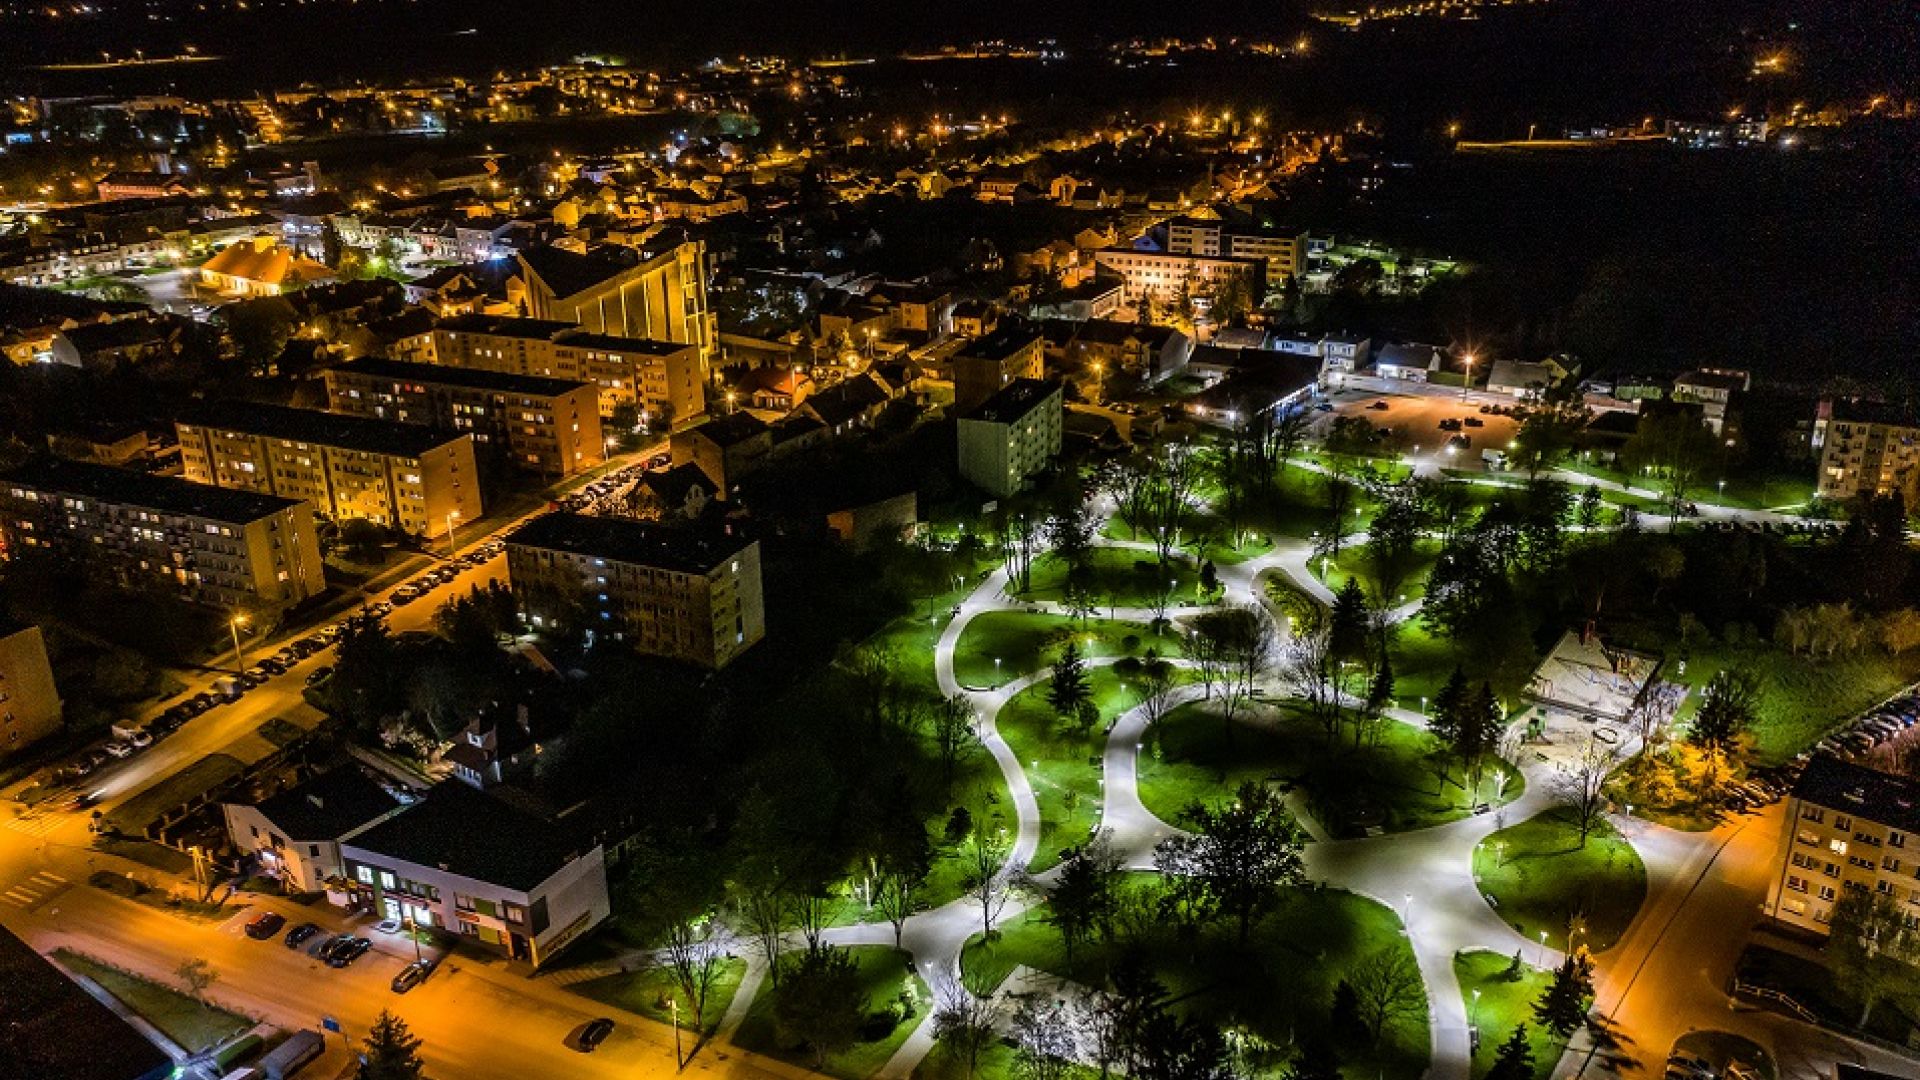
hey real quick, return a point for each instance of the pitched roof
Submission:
(729, 430)
(472, 834)
(269, 265)
(328, 806)
(1893, 801)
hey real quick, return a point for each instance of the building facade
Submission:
(402, 476)
(212, 545)
(660, 380)
(1012, 437)
(547, 426)
(684, 592)
(1866, 448)
(1166, 278)
(294, 836)
(1848, 827)
(657, 293)
(29, 702)
(1284, 251)
(985, 366)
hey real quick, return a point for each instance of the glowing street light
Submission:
(234, 624)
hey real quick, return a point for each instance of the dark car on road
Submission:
(594, 1034)
(301, 934)
(265, 925)
(411, 976)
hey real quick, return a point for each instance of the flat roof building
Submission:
(984, 366)
(1848, 827)
(664, 380)
(1012, 437)
(29, 702)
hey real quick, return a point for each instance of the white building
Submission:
(1012, 437)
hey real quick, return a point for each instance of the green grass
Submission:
(1542, 879)
(1356, 562)
(1025, 643)
(193, 1024)
(883, 974)
(1800, 698)
(1061, 763)
(1121, 577)
(652, 992)
(1504, 1003)
(1191, 757)
(1279, 986)
(1203, 536)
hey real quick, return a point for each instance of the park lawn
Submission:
(1204, 536)
(1800, 698)
(1122, 577)
(1299, 508)
(651, 992)
(1356, 562)
(1064, 764)
(1280, 985)
(1505, 1003)
(883, 974)
(1024, 643)
(192, 1023)
(996, 1061)
(1540, 877)
(1422, 662)
(1191, 757)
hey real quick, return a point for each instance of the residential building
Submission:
(1271, 382)
(987, 365)
(62, 1030)
(1149, 353)
(1284, 251)
(1866, 448)
(29, 702)
(116, 186)
(1409, 362)
(1012, 436)
(1168, 279)
(407, 477)
(659, 380)
(1343, 354)
(548, 426)
(1848, 827)
(213, 545)
(261, 266)
(726, 448)
(294, 836)
(464, 862)
(687, 593)
(1715, 390)
(659, 292)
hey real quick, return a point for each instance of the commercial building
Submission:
(1866, 448)
(661, 380)
(986, 365)
(1848, 827)
(261, 266)
(548, 426)
(1166, 278)
(1011, 437)
(1284, 251)
(463, 862)
(403, 476)
(29, 702)
(686, 592)
(657, 292)
(213, 545)
(295, 835)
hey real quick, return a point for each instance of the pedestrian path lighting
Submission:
(1543, 948)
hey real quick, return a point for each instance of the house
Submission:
(463, 862)
(105, 346)
(1342, 355)
(261, 266)
(1716, 390)
(775, 388)
(1011, 437)
(853, 402)
(679, 493)
(726, 448)
(500, 744)
(294, 836)
(1148, 353)
(881, 521)
(1522, 378)
(1409, 362)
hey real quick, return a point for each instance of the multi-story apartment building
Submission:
(463, 862)
(986, 365)
(403, 476)
(29, 703)
(661, 380)
(1848, 827)
(1283, 250)
(1012, 437)
(657, 292)
(548, 426)
(684, 592)
(1866, 448)
(1166, 278)
(213, 545)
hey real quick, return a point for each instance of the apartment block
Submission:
(1848, 827)
(213, 545)
(1284, 251)
(408, 477)
(547, 426)
(660, 380)
(29, 703)
(1012, 437)
(1866, 448)
(986, 365)
(1166, 277)
(687, 593)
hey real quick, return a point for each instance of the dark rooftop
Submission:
(1014, 401)
(162, 493)
(472, 378)
(731, 429)
(55, 1028)
(568, 273)
(1893, 801)
(582, 339)
(638, 543)
(469, 833)
(507, 326)
(328, 806)
(1002, 343)
(320, 428)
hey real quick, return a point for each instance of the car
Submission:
(1450, 424)
(389, 925)
(1474, 421)
(83, 801)
(594, 1034)
(118, 749)
(1378, 406)
(319, 674)
(1691, 1064)
(139, 738)
(301, 934)
(402, 599)
(265, 925)
(347, 951)
(411, 976)
(1460, 442)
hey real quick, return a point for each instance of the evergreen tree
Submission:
(1344, 1019)
(393, 1053)
(1350, 623)
(1069, 689)
(1315, 1061)
(1514, 1059)
(1563, 1005)
(1380, 694)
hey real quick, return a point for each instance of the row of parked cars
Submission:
(1892, 720)
(589, 496)
(335, 950)
(445, 573)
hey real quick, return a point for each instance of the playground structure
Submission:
(1587, 678)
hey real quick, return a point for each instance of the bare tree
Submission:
(1045, 1044)
(696, 952)
(763, 913)
(1388, 987)
(983, 859)
(1157, 682)
(1306, 669)
(1581, 786)
(1175, 474)
(196, 974)
(1127, 483)
(966, 1012)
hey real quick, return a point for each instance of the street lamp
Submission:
(1467, 384)
(234, 624)
(453, 549)
(1473, 1012)
(1543, 948)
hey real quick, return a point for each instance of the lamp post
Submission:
(1543, 948)
(1473, 1012)
(679, 1063)
(413, 931)
(453, 549)
(1467, 383)
(239, 660)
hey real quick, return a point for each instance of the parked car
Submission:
(594, 1034)
(1378, 406)
(301, 934)
(346, 952)
(139, 738)
(411, 976)
(319, 674)
(265, 925)
(118, 749)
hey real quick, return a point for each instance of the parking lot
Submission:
(1415, 421)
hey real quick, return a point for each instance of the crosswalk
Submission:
(36, 890)
(35, 823)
